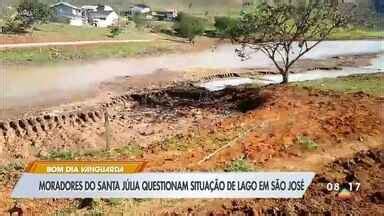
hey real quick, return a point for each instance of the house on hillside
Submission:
(246, 3)
(139, 9)
(100, 15)
(167, 15)
(65, 12)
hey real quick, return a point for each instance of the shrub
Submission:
(13, 24)
(139, 20)
(224, 25)
(28, 13)
(114, 31)
(189, 26)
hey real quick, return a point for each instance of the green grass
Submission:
(306, 142)
(65, 32)
(129, 150)
(87, 52)
(239, 165)
(372, 84)
(355, 34)
(60, 155)
(210, 142)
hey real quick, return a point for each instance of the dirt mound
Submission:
(189, 96)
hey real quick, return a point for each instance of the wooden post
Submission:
(107, 131)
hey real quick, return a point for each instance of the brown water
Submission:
(25, 84)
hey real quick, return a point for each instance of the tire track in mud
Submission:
(37, 129)
(137, 112)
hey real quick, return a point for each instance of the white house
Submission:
(139, 9)
(64, 11)
(100, 15)
(168, 14)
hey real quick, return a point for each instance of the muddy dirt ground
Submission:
(103, 92)
(177, 125)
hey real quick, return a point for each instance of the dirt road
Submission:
(68, 43)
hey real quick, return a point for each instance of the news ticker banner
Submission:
(125, 179)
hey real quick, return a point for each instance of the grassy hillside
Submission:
(212, 6)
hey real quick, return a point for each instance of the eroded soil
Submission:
(176, 127)
(364, 167)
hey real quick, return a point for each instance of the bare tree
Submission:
(283, 32)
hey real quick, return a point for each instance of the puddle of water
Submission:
(377, 66)
(317, 74)
(26, 83)
(217, 85)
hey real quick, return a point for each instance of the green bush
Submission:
(189, 26)
(224, 25)
(28, 13)
(33, 11)
(139, 20)
(13, 24)
(114, 31)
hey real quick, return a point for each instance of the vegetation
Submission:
(33, 11)
(356, 34)
(224, 24)
(62, 32)
(306, 142)
(89, 52)
(10, 171)
(368, 83)
(60, 155)
(239, 165)
(284, 33)
(115, 30)
(29, 12)
(13, 24)
(189, 26)
(129, 150)
(215, 7)
(139, 21)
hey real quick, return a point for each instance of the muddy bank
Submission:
(163, 78)
(22, 85)
(144, 117)
(136, 118)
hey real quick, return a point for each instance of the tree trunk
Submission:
(285, 77)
